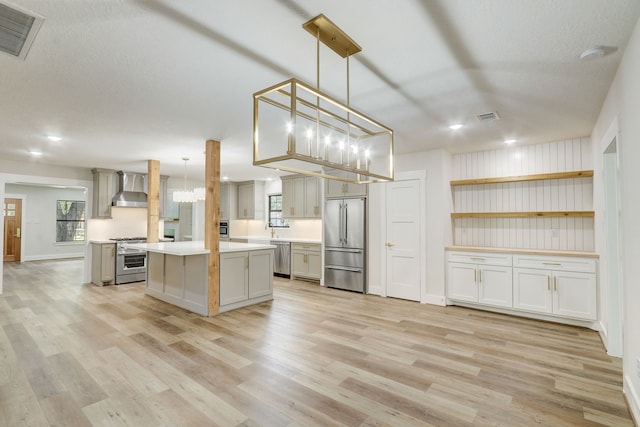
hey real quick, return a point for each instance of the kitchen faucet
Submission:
(268, 225)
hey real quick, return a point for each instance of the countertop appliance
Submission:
(344, 242)
(131, 264)
(282, 258)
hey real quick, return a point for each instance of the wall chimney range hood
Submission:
(130, 190)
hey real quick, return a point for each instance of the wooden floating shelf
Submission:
(521, 214)
(538, 177)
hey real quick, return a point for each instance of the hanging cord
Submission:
(186, 159)
(317, 98)
(348, 113)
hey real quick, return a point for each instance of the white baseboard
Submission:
(376, 290)
(603, 335)
(632, 398)
(434, 300)
(51, 256)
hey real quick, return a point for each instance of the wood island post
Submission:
(212, 222)
(153, 201)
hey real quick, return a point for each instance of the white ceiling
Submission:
(123, 81)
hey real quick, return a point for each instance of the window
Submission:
(275, 212)
(70, 221)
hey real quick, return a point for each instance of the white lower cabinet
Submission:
(555, 291)
(245, 276)
(306, 260)
(557, 286)
(478, 283)
(103, 263)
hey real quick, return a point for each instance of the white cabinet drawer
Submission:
(305, 247)
(480, 258)
(586, 265)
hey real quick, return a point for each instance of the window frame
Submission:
(284, 221)
(81, 221)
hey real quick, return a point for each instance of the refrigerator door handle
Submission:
(338, 267)
(344, 223)
(341, 222)
(353, 251)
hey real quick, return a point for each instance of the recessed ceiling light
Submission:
(54, 138)
(225, 178)
(510, 141)
(35, 152)
(456, 126)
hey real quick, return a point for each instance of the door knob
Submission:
(18, 232)
(389, 244)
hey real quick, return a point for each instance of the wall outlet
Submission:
(554, 232)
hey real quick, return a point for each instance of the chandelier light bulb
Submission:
(309, 133)
(327, 140)
(289, 127)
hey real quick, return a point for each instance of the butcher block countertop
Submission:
(524, 251)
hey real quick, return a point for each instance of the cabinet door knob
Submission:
(555, 283)
(388, 244)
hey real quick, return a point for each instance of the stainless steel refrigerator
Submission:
(344, 243)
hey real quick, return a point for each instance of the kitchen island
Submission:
(177, 273)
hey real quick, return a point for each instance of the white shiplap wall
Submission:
(552, 233)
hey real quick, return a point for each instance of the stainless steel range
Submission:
(131, 264)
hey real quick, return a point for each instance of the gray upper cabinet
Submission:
(293, 196)
(336, 188)
(104, 189)
(163, 196)
(301, 196)
(251, 200)
(313, 196)
(228, 200)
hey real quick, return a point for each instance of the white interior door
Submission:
(403, 239)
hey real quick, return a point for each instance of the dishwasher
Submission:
(282, 258)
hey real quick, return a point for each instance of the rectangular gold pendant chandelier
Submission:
(299, 129)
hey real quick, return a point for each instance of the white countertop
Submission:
(196, 248)
(281, 239)
(105, 241)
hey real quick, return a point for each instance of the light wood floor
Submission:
(75, 355)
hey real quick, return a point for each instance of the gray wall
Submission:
(39, 219)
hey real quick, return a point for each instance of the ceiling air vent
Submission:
(18, 29)
(485, 117)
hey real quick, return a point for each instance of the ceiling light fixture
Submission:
(184, 196)
(54, 138)
(456, 126)
(35, 152)
(593, 52)
(510, 141)
(297, 128)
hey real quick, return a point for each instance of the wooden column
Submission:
(153, 201)
(212, 222)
